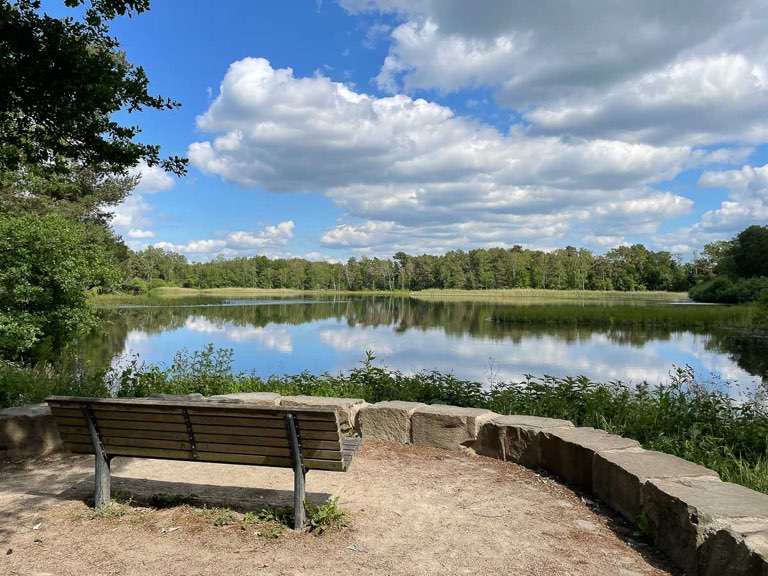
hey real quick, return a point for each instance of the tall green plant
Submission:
(46, 266)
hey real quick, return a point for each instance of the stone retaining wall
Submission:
(707, 526)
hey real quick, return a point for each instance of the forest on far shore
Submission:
(625, 268)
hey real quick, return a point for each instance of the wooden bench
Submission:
(299, 438)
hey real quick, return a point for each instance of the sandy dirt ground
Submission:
(410, 511)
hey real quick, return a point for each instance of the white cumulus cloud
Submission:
(689, 71)
(239, 243)
(411, 171)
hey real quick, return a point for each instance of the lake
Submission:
(287, 336)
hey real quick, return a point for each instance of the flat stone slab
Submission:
(619, 477)
(265, 399)
(515, 438)
(727, 551)
(28, 431)
(389, 420)
(683, 514)
(347, 407)
(447, 427)
(569, 452)
(195, 397)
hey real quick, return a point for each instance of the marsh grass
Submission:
(685, 316)
(164, 294)
(513, 295)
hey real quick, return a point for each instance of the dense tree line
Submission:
(740, 270)
(626, 268)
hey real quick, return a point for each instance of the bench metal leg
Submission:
(299, 477)
(298, 498)
(103, 472)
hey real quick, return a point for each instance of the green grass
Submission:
(523, 295)
(159, 295)
(666, 316)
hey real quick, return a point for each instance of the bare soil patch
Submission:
(410, 511)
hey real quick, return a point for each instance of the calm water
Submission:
(289, 336)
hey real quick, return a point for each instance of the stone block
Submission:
(27, 431)
(734, 552)
(569, 452)
(619, 477)
(683, 515)
(447, 427)
(515, 438)
(387, 420)
(346, 407)
(262, 399)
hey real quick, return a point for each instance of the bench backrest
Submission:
(201, 431)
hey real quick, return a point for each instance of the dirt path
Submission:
(410, 511)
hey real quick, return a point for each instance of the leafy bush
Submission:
(69, 376)
(46, 266)
(724, 290)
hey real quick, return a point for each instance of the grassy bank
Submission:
(158, 295)
(738, 317)
(682, 417)
(523, 295)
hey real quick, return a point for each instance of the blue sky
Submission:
(364, 127)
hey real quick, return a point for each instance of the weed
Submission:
(113, 510)
(271, 522)
(219, 516)
(326, 516)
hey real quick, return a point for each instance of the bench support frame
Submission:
(103, 472)
(299, 472)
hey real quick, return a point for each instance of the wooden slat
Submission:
(265, 441)
(313, 464)
(244, 459)
(321, 454)
(150, 453)
(110, 434)
(109, 415)
(255, 421)
(351, 443)
(244, 440)
(146, 443)
(277, 413)
(226, 420)
(68, 412)
(321, 444)
(284, 452)
(105, 425)
(263, 432)
(137, 409)
(151, 405)
(240, 431)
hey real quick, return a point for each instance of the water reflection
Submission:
(284, 336)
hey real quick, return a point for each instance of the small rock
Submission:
(586, 525)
